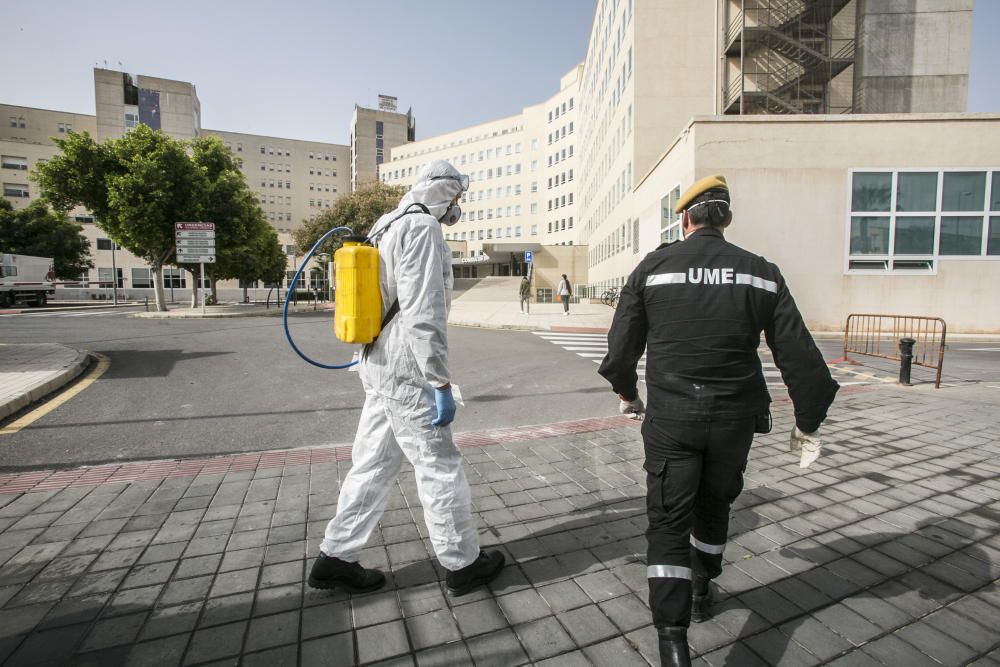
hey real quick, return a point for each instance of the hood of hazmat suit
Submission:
(411, 354)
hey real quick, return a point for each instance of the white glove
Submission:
(808, 443)
(634, 408)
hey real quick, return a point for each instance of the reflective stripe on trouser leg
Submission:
(669, 594)
(441, 484)
(376, 461)
(706, 560)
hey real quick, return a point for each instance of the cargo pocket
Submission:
(656, 487)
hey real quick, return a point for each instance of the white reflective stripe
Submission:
(754, 281)
(665, 279)
(707, 548)
(667, 571)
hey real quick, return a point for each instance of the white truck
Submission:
(25, 279)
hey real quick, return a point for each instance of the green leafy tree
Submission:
(38, 230)
(229, 203)
(358, 210)
(137, 187)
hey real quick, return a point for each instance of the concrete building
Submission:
(374, 132)
(294, 180)
(803, 104)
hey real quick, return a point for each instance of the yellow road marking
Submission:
(863, 375)
(102, 365)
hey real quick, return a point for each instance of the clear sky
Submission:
(296, 68)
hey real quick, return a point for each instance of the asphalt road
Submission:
(189, 387)
(194, 387)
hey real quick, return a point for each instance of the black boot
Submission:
(482, 571)
(674, 647)
(701, 600)
(330, 572)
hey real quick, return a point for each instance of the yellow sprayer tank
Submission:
(357, 314)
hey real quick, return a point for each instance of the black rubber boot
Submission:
(329, 572)
(674, 647)
(701, 600)
(482, 571)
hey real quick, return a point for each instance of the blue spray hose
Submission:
(295, 280)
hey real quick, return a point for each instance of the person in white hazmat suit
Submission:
(408, 401)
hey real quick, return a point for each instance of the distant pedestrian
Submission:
(525, 294)
(565, 292)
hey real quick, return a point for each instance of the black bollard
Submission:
(905, 360)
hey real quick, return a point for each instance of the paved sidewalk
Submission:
(542, 316)
(885, 552)
(30, 372)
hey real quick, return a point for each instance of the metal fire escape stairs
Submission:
(791, 38)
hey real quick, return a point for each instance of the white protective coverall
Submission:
(408, 361)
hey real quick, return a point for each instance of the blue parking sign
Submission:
(528, 256)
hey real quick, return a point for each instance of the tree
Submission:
(137, 187)
(358, 210)
(37, 230)
(229, 203)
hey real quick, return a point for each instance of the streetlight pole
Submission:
(114, 273)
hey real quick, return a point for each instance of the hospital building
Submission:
(841, 126)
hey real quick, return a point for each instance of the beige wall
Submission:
(550, 262)
(395, 132)
(790, 184)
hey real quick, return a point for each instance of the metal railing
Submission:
(879, 336)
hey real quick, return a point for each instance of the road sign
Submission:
(528, 256)
(195, 235)
(194, 226)
(195, 243)
(195, 259)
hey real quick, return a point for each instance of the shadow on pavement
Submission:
(130, 364)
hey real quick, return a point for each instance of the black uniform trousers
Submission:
(694, 472)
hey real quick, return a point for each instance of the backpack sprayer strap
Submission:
(394, 308)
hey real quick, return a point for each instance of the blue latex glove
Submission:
(445, 404)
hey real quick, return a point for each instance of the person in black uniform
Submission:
(698, 308)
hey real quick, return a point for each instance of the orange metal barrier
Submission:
(878, 336)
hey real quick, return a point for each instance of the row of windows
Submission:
(271, 199)
(239, 147)
(19, 121)
(278, 216)
(141, 278)
(488, 234)
(322, 172)
(270, 184)
(616, 145)
(556, 157)
(561, 225)
(906, 220)
(613, 196)
(559, 202)
(322, 187)
(319, 203)
(487, 214)
(271, 166)
(560, 109)
(482, 174)
(460, 142)
(560, 179)
(489, 192)
(561, 133)
(623, 239)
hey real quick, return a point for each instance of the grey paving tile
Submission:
(132, 600)
(329, 650)
(543, 638)
(573, 659)
(432, 629)
(275, 630)
(445, 655)
(217, 642)
(226, 609)
(236, 581)
(523, 606)
(198, 566)
(496, 649)
(416, 600)
(936, 644)
(51, 647)
(480, 617)
(626, 612)
(587, 624)
(816, 638)
(326, 619)
(616, 652)
(283, 655)
(114, 632)
(563, 595)
(891, 650)
(378, 642)
(165, 652)
(69, 611)
(277, 599)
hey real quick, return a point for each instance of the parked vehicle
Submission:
(25, 279)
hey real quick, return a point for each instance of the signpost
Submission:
(196, 245)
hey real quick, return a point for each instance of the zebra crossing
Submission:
(69, 313)
(595, 347)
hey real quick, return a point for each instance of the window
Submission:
(141, 278)
(131, 116)
(670, 222)
(107, 277)
(15, 190)
(904, 221)
(534, 230)
(13, 162)
(104, 244)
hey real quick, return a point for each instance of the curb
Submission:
(154, 315)
(43, 389)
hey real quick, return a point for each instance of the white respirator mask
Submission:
(452, 215)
